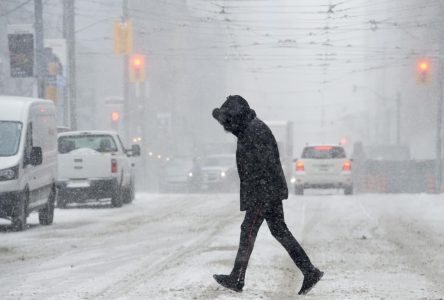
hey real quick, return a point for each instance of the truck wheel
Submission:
(116, 200)
(61, 199)
(19, 214)
(46, 215)
(298, 190)
(128, 195)
(348, 190)
(132, 192)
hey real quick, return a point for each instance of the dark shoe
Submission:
(310, 280)
(229, 282)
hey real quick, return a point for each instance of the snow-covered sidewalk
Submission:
(168, 247)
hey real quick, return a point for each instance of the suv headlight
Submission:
(223, 174)
(9, 173)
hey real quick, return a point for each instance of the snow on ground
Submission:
(168, 247)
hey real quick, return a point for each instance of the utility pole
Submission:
(398, 118)
(438, 163)
(126, 90)
(40, 60)
(69, 35)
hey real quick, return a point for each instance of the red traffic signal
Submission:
(423, 71)
(423, 66)
(137, 62)
(137, 68)
(115, 116)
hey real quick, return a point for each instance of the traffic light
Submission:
(115, 118)
(137, 68)
(123, 37)
(423, 71)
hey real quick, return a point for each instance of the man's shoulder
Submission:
(258, 132)
(257, 126)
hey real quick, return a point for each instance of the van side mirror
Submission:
(135, 150)
(36, 157)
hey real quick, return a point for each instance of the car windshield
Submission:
(323, 152)
(10, 133)
(100, 143)
(219, 161)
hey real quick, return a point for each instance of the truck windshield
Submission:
(99, 143)
(323, 152)
(10, 132)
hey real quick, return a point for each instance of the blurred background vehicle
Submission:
(219, 173)
(323, 167)
(175, 175)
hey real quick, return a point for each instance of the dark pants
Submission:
(275, 220)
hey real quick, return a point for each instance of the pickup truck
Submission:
(94, 165)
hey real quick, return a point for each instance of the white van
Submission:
(28, 159)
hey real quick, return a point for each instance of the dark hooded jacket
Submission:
(262, 180)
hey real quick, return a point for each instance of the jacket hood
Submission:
(234, 115)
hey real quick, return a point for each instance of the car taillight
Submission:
(113, 166)
(300, 166)
(347, 166)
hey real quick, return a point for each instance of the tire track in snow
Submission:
(411, 241)
(123, 286)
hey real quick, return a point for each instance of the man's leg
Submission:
(278, 228)
(249, 229)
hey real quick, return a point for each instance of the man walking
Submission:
(262, 189)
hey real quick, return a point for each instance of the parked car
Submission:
(175, 175)
(323, 167)
(94, 165)
(28, 159)
(219, 173)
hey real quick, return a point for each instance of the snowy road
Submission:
(168, 247)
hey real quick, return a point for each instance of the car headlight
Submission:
(9, 174)
(223, 174)
(293, 180)
(190, 174)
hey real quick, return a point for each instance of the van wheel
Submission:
(116, 199)
(298, 190)
(20, 212)
(46, 215)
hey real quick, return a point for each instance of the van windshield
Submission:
(100, 143)
(10, 132)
